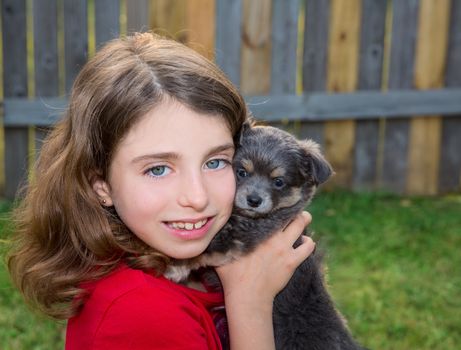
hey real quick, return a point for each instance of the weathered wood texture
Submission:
(45, 31)
(425, 133)
(450, 159)
(306, 108)
(200, 15)
(228, 42)
(14, 34)
(46, 61)
(284, 46)
(400, 76)
(75, 39)
(342, 76)
(168, 17)
(255, 77)
(107, 20)
(367, 132)
(314, 59)
(376, 82)
(190, 22)
(137, 16)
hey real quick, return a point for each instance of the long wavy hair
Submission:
(64, 237)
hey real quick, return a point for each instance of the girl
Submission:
(136, 173)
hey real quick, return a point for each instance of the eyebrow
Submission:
(173, 156)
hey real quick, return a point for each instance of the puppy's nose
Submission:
(254, 200)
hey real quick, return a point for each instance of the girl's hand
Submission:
(260, 275)
(251, 283)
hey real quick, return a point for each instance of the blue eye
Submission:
(278, 182)
(158, 171)
(216, 164)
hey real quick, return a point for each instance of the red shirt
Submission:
(130, 309)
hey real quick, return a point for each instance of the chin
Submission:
(181, 254)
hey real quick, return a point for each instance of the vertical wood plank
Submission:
(190, 22)
(256, 48)
(423, 155)
(75, 39)
(425, 132)
(137, 16)
(15, 85)
(228, 42)
(200, 23)
(16, 159)
(45, 13)
(342, 76)
(107, 18)
(315, 51)
(404, 31)
(14, 48)
(365, 154)
(373, 21)
(168, 17)
(452, 71)
(284, 46)
(450, 159)
(284, 55)
(46, 48)
(314, 62)
(370, 78)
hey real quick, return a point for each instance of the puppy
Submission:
(277, 176)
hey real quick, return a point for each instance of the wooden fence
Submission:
(376, 82)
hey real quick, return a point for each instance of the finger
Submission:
(296, 227)
(303, 251)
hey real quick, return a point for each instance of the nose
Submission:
(254, 200)
(193, 192)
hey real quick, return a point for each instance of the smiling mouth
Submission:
(188, 226)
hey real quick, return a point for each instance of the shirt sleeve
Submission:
(145, 318)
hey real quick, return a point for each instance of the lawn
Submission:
(393, 269)
(21, 329)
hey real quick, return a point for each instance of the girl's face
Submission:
(171, 179)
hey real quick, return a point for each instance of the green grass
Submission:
(20, 328)
(393, 269)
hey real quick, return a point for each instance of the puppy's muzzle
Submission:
(254, 200)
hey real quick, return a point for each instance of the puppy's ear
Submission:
(245, 127)
(317, 165)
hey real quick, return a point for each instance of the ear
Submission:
(102, 190)
(317, 165)
(247, 125)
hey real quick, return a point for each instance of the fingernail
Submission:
(307, 216)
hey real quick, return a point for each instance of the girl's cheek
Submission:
(230, 188)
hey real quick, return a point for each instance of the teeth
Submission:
(199, 224)
(188, 225)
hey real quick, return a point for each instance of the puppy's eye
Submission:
(242, 172)
(278, 182)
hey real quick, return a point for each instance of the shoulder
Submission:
(124, 282)
(127, 291)
(130, 307)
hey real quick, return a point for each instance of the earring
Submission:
(104, 201)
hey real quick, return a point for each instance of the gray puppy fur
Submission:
(277, 176)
